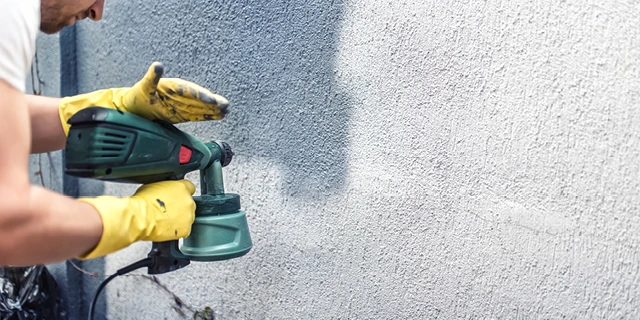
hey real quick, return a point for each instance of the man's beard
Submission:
(51, 28)
(48, 22)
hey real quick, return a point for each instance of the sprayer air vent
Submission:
(110, 145)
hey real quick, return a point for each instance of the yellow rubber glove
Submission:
(159, 211)
(171, 100)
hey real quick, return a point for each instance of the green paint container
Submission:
(220, 230)
(215, 236)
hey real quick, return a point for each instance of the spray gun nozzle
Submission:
(227, 153)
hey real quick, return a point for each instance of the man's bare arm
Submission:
(46, 131)
(37, 226)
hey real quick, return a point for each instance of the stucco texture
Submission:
(46, 169)
(401, 159)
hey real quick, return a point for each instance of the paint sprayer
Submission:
(110, 145)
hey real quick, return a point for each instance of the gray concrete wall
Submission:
(403, 159)
(46, 169)
(53, 74)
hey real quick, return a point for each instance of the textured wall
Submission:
(402, 159)
(49, 76)
(46, 169)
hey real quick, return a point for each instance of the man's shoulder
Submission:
(19, 25)
(26, 10)
(25, 6)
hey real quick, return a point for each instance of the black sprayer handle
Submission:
(166, 257)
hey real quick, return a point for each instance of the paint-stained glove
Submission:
(159, 211)
(154, 98)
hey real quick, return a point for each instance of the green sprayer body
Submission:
(111, 145)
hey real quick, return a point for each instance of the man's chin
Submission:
(50, 28)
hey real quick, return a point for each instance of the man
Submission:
(38, 226)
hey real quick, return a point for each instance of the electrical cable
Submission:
(146, 262)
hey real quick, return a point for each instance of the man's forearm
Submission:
(48, 228)
(46, 131)
(37, 226)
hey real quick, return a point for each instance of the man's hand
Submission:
(172, 100)
(153, 97)
(159, 211)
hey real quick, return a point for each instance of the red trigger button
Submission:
(185, 154)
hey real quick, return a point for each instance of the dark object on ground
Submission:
(30, 293)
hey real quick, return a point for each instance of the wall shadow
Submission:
(274, 61)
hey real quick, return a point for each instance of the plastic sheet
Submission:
(30, 293)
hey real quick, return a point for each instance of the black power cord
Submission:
(136, 265)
